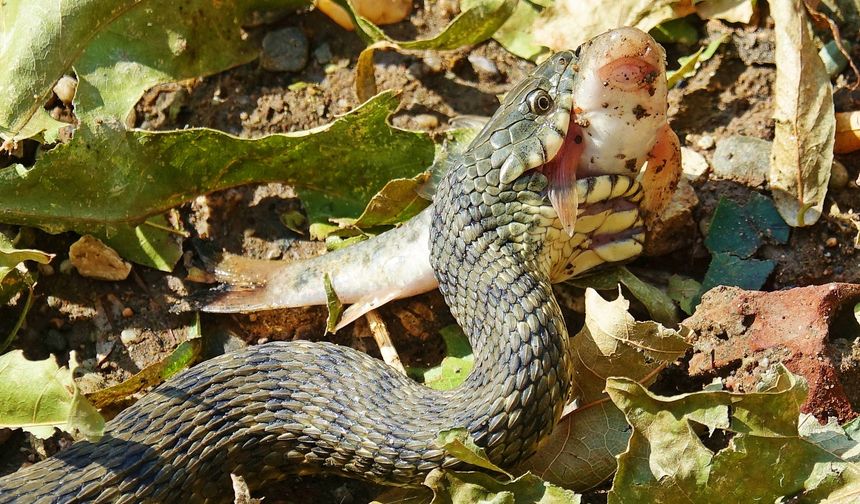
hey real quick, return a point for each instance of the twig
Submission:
(383, 341)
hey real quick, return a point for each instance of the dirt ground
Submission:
(118, 328)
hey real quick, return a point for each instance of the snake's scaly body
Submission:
(302, 407)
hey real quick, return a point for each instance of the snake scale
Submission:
(302, 407)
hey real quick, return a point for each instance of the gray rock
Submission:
(285, 50)
(743, 159)
(838, 176)
(482, 64)
(694, 165)
(323, 54)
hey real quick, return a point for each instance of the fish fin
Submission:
(356, 310)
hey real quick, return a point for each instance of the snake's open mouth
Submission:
(618, 93)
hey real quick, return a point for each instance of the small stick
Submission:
(383, 341)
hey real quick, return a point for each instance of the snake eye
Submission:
(540, 102)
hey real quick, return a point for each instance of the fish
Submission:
(616, 171)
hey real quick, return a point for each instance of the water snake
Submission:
(298, 407)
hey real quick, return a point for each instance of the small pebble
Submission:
(129, 336)
(482, 64)
(693, 164)
(834, 60)
(285, 50)
(743, 159)
(434, 63)
(838, 176)
(66, 267)
(127, 312)
(93, 259)
(706, 142)
(323, 54)
(426, 121)
(262, 340)
(832, 242)
(418, 69)
(65, 89)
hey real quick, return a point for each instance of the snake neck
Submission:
(487, 252)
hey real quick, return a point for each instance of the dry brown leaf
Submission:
(805, 126)
(580, 452)
(847, 132)
(555, 27)
(365, 79)
(733, 11)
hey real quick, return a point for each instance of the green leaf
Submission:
(455, 366)
(25, 282)
(451, 487)
(741, 230)
(160, 41)
(580, 452)
(478, 20)
(727, 269)
(459, 443)
(689, 64)
(182, 357)
(658, 304)
(805, 130)
(675, 31)
(666, 456)
(517, 36)
(151, 244)
(684, 291)
(15, 279)
(79, 187)
(397, 202)
(613, 343)
(333, 304)
(38, 396)
(10, 257)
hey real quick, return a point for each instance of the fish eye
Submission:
(540, 102)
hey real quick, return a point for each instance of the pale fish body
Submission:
(620, 102)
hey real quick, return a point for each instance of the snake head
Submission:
(529, 128)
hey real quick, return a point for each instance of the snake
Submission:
(496, 236)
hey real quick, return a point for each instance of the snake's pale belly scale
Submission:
(301, 407)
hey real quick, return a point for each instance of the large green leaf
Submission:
(121, 47)
(762, 457)
(110, 177)
(478, 21)
(38, 396)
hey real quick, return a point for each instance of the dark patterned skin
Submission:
(301, 407)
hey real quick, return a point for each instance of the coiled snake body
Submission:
(301, 407)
